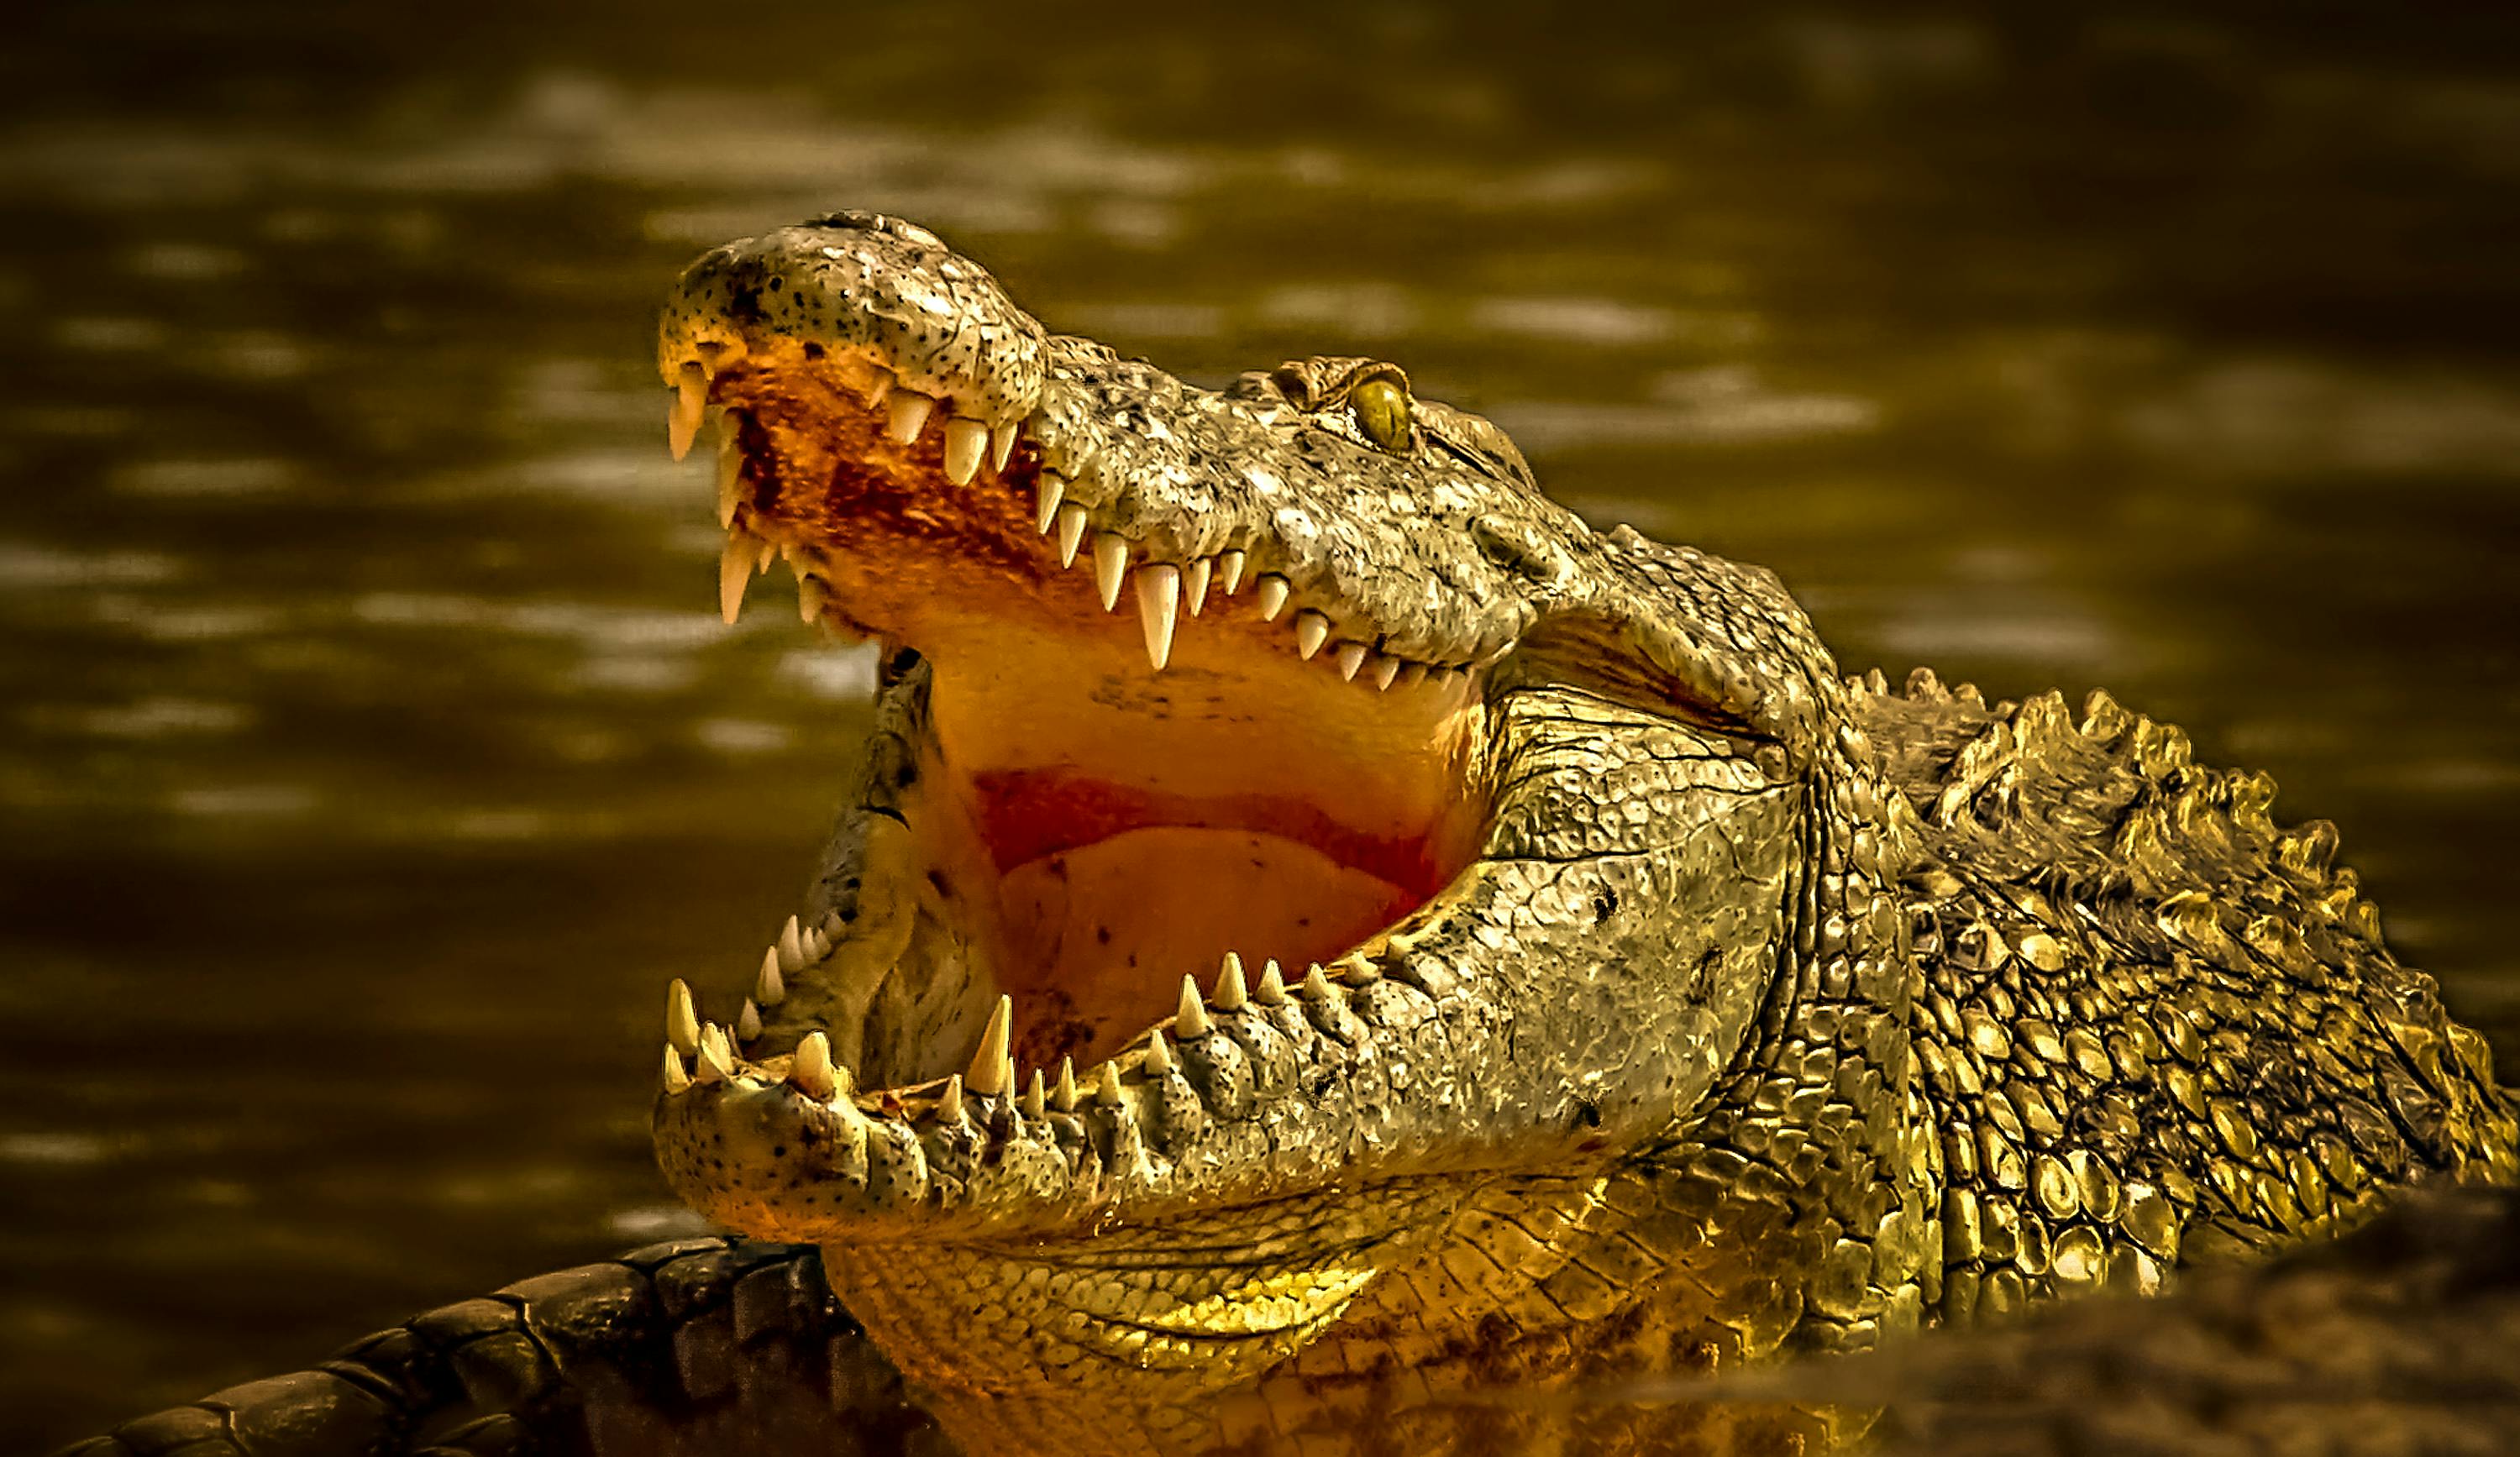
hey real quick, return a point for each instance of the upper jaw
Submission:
(1383, 566)
(1168, 495)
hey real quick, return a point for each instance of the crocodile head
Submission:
(1285, 837)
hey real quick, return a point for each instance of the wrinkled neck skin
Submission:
(1352, 1246)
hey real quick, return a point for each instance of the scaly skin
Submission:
(1680, 1004)
(2395, 1340)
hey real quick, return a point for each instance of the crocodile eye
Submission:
(1381, 410)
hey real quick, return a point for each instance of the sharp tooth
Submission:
(1001, 444)
(682, 1022)
(1411, 675)
(1159, 1055)
(1272, 593)
(1271, 991)
(1071, 532)
(991, 1074)
(1065, 1091)
(730, 477)
(834, 926)
(1351, 657)
(1110, 564)
(1051, 487)
(817, 944)
(1036, 1098)
(907, 415)
(690, 407)
(1228, 571)
(811, 595)
(1194, 584)
(748, 1023)
(1312, 630)
(1106, 1088)
(792, 945)
(1190, 1019)
(1229, 993)
(879, 387)
(811, 1070)
(734, 573)
(949, 1105)
(717, 1063)
(764, 554)
(676, 1078)
(966, 441)
(1385, 669)
(1316, 987)
(1360, 973)
(1158, 609)
(770, 987)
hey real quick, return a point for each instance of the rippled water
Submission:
(369, 753)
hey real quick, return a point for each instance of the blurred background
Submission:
(370, 750)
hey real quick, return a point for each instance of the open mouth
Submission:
(1141, 763)
(1151, 761)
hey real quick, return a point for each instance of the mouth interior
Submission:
(1085, 829)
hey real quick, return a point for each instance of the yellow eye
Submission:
(1381, 410)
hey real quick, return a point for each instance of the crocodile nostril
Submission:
(863, 221)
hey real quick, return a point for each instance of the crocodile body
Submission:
(1587, 984)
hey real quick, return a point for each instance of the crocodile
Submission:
(1326, 949)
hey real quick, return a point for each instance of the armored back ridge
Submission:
(1328, 952)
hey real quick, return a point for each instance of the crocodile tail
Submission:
(688, 1346)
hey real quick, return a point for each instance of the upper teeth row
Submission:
(1162, 588)
(711, 1049)
(907, 413)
